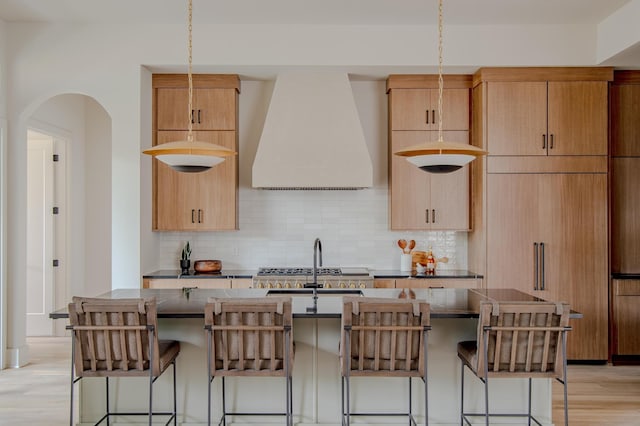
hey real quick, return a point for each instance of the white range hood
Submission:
(312, 137)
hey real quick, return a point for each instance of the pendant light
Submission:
(189, 156)
(440, 156)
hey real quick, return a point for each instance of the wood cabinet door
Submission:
(625, 120)
(516, 118)
(410, 186)
(213, 109)
(513, 232)
(626, 316)
(437, 283)
(427, 201)
(450, 193)
(575, 261)
(417, 109)
(625, 215)
(578, 118)
(196, 201)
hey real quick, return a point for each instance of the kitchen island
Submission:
(316, 374)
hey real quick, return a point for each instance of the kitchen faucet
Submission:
(317, 251)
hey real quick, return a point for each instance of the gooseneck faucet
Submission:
(317, 259)
(317, 250)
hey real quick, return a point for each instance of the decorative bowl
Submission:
(207, 266)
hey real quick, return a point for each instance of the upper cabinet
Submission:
(625, 114)
(206, 201)
(625, 172)
(543, 118)
(212, 109)
(420, 200)
(417, 109)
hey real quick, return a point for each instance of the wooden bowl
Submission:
(207, 266)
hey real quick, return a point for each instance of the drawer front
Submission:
(384, 283)
(626, 287)
(181, 283)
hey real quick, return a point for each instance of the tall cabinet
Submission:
(541, 194)
(419, 200)
(206, 201)
(625, 216)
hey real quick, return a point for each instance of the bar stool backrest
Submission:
(112, 336)
(386, 336)
(523, 338)
(249, 335)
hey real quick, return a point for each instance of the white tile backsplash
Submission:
(278, 228)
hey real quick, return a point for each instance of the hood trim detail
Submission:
(312, 136)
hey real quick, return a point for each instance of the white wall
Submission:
(3, 194)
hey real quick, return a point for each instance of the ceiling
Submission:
(313, 12)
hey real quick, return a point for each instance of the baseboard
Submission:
(17, 357)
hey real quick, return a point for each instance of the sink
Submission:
(309, 291)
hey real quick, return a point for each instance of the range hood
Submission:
(312, 137)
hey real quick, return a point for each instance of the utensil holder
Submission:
(406, 262)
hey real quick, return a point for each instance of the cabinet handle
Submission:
(426, 215)
(551, 141)
(199, 216)
(427, 116)
(433, 216)
(535, 266)
(193, 212)
(542, 286)
(544, 141)
(199, 111)
(193, 112)
(433, 116)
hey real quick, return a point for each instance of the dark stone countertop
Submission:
(224, 274)
(442, 273)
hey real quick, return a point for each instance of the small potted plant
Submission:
(185, 260)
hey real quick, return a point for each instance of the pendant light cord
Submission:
(190, 77)
(440, 79)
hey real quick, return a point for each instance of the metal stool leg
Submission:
(175, 401)
(108, 413)
(461, 393)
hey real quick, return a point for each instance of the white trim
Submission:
(17, 357)
(3, 242)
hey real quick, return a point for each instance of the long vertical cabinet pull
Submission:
(193, 219)
(433, 216)
(544, 141)
(199, 215)
(426, 215)
(427, 114)
(535, 266)
(542, 285)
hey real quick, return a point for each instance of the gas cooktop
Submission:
(293, 271)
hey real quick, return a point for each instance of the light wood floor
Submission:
(38, 394)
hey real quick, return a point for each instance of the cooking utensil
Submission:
(402, 244)
(411, 245)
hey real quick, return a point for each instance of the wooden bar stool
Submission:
(118, 338)
(517, 339)
(384, 338)
(250, 338)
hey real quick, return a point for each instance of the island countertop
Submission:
(445, 302)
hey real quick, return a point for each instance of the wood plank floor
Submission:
(38, 394)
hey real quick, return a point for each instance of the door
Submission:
(517, 118)
(575, 236)
(212, 109)
(40, 242)
(625, 219)
(417, 109)
(578, 118)
(197, 201)
(514, 233)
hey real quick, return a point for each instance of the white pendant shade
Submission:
(441, 157)
(190, 156)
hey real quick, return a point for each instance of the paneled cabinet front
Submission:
(420, 200)
(417, 109)
(545, 236)
(206, 201)
(427, 201)
(547, 118)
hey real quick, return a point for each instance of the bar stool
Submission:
(517, 339)
(118, 338)
(250, 338)
(384, 338)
